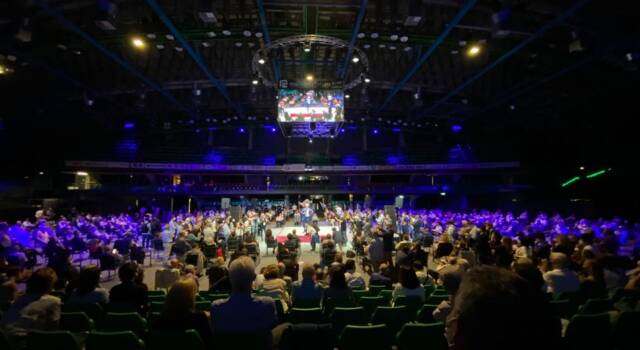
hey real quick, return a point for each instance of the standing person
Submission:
(375, 252)
(315, 237)
(242, 312)
(388, 245)
(560, 279)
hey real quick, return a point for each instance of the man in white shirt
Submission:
(561, 279)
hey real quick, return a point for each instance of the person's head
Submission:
(383, 268)
(174, 263)
(289, 236)
(339, 258)
(181, 297)
(444, 238)
(88, 280)
(336, 276)
(526, 269)
(42, 281)
(451, 281)
(491, 298)
(559, 260)
(350, 265)
(418, 266)
(241, 274)
(128, 272)
(408, 278)
(308, 271)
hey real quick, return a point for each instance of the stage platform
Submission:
(281, 232)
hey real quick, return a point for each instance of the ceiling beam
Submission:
(53, 12)
(194, 55)
(344, 68)
(558, 20)
(425, 56)
(267, 38)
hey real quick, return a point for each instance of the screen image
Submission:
(310, 105)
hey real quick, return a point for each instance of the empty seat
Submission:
(357, 294)
(393, 317)
(162, 340)
(364, 337)
(371, 303)
(375, 290)
(413, 305)
(425, 314)
(387, 295)
(437, 299)
(626, 330)
(416, 335)
(343, 316)
(76, 322)
(306, 315)
(131, 321)
(156, 306)
(56, 340)
(306, 303)
(595, 306)
(329, 304)
(589, 332)
(113, 340)
(93, 311)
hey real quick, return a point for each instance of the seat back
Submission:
(343, 316)
(203, 305)
(94, 311)
(306, 303)
(163, 340)
(436, 299)
(357, 294)
(589, 332)
(626, 335)
(130, 321)
(76, 322)
(595, 306)
(413, 305)
(413, 336)
(425, 314)
(113, 340)
(364, 337)
(387, 294)
(371, 303)
(306, 315)
(56, 340)
(298, 336)
(330, 303)
(393, 317)
(375, 290)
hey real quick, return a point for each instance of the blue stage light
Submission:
(129, 125)
(241, 130)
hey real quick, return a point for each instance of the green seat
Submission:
(343, 316)
(306, 315)
(329, 304)
(152, 317)
(626, 330)
(56, 340)
(371, 303)
(387, 294)
(4, 341)
(363, 337)
(212, 296)
(595, 306)
(156, 306)
(156, 298)
(93, 311)
(114, 340)
(393, 317)
(279, 309)
(203, 305)
(374, 290)
(76, 322)
(413, 305)
(306, 303)
(357, 294)
(130, 321)
(563, 308)
(428, 289)
(163, 340)
(589, 332)
(425, 314)
(121, 308)
(414, 336)
(439, 292)
(436, 299)
(156, 292)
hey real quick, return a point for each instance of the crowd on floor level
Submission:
(496, 280)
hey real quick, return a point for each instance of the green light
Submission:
(597, 173)
(571, 181)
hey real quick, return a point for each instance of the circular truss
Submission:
(308, 41)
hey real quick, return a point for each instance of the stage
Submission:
(281, 232)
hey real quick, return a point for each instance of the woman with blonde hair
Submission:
(180, 314)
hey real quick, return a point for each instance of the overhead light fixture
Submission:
(261, 61)
(151, 36)
(306, 47)
(347, 96)
(310, 139)
(360, 35)
(367, 80)
(3, 70)
(160, 47)
(474, 50)
(408, 48)
(169, 37)
(238, 44)
(211, 34)
(394, 37)
(309, 77)
(226, 32)
(82, 173)
(374, 35)
(443, 194)
(246, 33)
(355, 59)
(255, 82)
(138, 42)
(404, 38)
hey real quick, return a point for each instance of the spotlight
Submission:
(261, 61)
(3, 70)
(367, 80)
(129, 125)
(393, 37)
(41, 173)
(347, 96)
(310, 139)
(255, 82)
(581, 168)
(443, 194)
(512, 107)
(226, 32)
(355, 59)
(241, 130)
(474, 50)
(376, 131)
(309, 77)
(138, 43)
(306, 47)
(82, 173)
(273, 130)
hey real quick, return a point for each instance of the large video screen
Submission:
(310, 105)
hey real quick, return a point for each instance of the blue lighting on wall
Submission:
(213, 157)
(396, 129)
(342, 130)
(376, 131)
(394, 159)
(241, 130)
(456, 128)
(350, 159)
(129, 125)
(126, 149)
(269, 160)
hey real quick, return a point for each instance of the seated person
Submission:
(408, 285)
(382, 278)
(86, 289)
(354, 279)
(179, 312)
(338, 288)
(451, 282)
(423, 277)
(219, 277)
(129, 291)
(242, 312)
(274, 286)
(37, 309)
(306, 289)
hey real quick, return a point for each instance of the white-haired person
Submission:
(243, 313)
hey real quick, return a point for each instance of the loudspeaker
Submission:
(236, 212)
(225, 203)
(399, 202)
(391, 211)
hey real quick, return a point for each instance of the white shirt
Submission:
(561, 280)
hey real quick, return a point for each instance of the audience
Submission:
(408, 285)
(306, 289)
(560, 279)
(338, 288)
(129, 292)
(353, 278)
(86, 289)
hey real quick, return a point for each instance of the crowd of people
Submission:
(498, 269)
